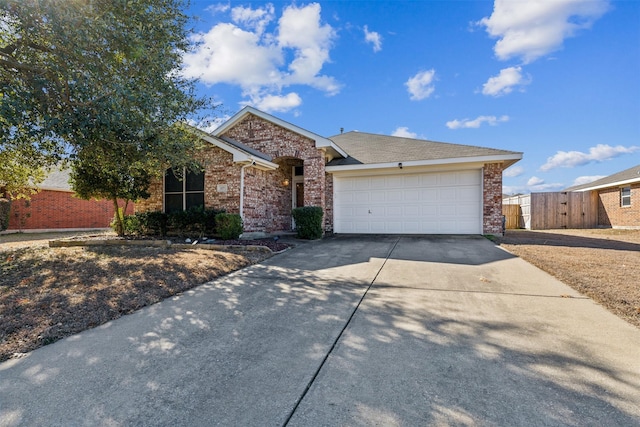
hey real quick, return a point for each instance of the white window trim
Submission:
(624, 198)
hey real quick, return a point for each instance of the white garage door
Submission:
(420, 203)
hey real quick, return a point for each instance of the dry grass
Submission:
(50, 293)
(603, 264)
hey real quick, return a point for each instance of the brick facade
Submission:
(51, 210)
(492, 199)
(267, 198)
(267, 201)
(221, 183)
(611, 214)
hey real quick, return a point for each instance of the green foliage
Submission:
(308, 222)
(228, 226)
(5, 208)
(95, 82)
(19, 174)
(195, 221)
(152, 223)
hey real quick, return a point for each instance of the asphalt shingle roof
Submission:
(625, 175)
(367, 148)
(57, 180)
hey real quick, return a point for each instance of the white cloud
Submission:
(504, 82)
(586, 179)
(404, 132)
(534, 184)
(534, 180)
(421, 85)
(533, 28)
(374, 38)
(218, 8)
(277, 103)
(599, 153)
(246, 53)
(513, 171)
(538, 184)
(475, 123)
(256, 19)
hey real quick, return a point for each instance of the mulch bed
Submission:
(50, 293)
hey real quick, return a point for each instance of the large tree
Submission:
(96, 82)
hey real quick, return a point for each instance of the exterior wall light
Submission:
(285, 183)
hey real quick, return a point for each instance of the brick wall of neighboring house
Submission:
(48, 210)
(611, 214)
(283, 145)
(492, 199)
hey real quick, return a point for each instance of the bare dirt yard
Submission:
(603, 264)
(50, 293)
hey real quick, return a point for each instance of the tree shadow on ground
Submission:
(243, 349)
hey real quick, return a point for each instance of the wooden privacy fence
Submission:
(549, 211)
(512, 216)
(517, 211)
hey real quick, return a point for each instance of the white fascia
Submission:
(611, 184)
(508, 159)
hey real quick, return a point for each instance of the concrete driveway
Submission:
(397, 331)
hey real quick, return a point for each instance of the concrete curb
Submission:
(156, 243)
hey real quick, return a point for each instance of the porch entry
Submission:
(297, 190)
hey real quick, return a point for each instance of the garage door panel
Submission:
(427, 194)
(429, 180)
(443, 202)
(361, 197)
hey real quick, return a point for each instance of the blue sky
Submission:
(556, 79)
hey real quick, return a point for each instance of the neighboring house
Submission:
(54, 207)
(618, 198)
(261, 167)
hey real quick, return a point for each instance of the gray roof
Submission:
(56, 180)
(367, 148)
(632, 174)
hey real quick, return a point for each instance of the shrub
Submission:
(308, 222)
(153, 223)
(132, 224)
(5, 208)
(228, 226)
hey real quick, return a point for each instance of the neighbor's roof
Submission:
(367, 149)
(627, 176)
(57, 180)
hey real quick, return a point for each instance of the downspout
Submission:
(253, 162)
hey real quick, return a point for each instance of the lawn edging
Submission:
(156, 243)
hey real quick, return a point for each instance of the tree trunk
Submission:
(118, 218)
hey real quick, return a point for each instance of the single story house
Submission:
(55, 208)
(261, 167)
(618, 198)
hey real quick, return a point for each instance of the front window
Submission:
(185, 193)
(625, 196)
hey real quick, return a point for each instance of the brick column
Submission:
(492, 199)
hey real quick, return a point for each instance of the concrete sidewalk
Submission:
(346, 331)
